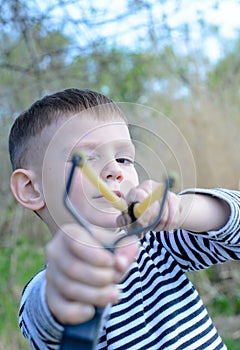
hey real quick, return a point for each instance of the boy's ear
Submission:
(26, 189)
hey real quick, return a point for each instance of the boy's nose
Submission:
(112, 171)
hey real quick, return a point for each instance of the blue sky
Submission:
(128, 31)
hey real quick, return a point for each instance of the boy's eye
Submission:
(124, 161)
(90, 157)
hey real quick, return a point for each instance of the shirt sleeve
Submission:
(35, 320)
(196, 251)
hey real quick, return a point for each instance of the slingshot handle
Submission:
(83, 335)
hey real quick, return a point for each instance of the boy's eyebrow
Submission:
(88, 145)
(93, 145)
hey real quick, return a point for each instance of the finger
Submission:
(68, 312)
(126, 252)
(80, 271)
(75, 291)
(87, 248)
(137, 194)
(144, 189)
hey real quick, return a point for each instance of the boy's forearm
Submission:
(203, 212)
(36, 323)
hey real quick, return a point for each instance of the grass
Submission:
(231, 344)
(19, 261)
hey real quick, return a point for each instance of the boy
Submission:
(154, 306)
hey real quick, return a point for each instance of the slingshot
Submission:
(84, 336)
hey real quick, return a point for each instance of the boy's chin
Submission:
(108, 221)
(109, 225)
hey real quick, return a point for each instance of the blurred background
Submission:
(180, 57)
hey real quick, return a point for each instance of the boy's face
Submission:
(109, 152)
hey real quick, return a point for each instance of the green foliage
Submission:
(221, 305)
(19, 261)
(231, 344)
(237, 302)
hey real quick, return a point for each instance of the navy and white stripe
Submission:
(159, 308)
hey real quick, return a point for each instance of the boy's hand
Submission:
(180, 212)
(82, 274)
(171, 214)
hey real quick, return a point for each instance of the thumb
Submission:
(126, 251)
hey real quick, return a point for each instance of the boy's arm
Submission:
(198, 250)
(35, 320)
(197, 210)
(200, 212)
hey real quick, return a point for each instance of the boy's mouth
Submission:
(118, 193)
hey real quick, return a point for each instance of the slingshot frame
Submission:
(85, 336)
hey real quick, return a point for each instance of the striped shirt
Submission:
(159, 307)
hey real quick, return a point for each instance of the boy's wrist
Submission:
(206, 210)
